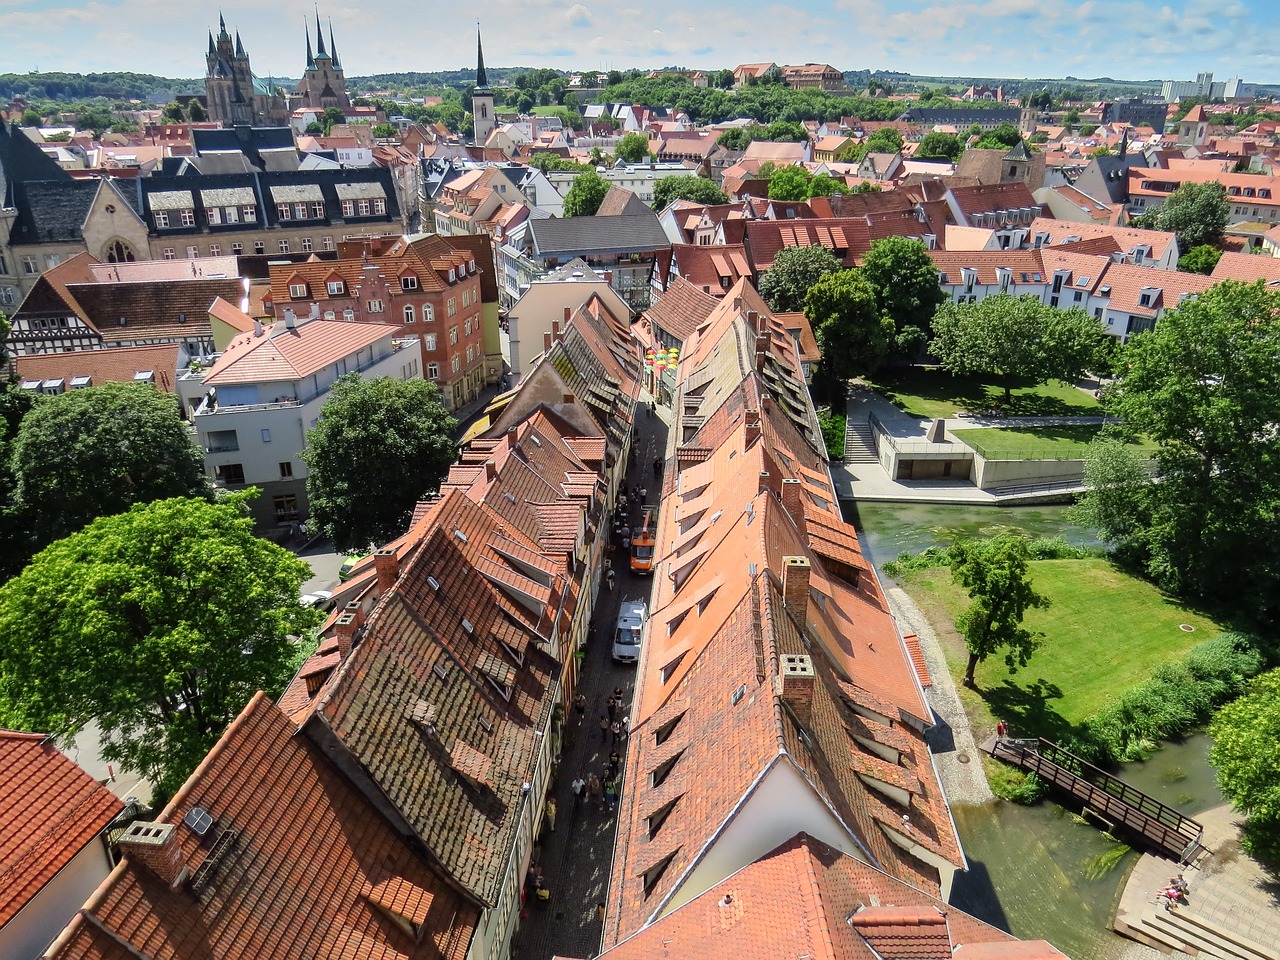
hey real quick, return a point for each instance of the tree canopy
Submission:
(852, 334)
(159, 624)
(1246, 753)
(905, 280)
(1201, 388)
(1196, 212)
(94, 452)
(1003, 137)
(697, 189)
(381, 446)
(633, 147)
(996, 575)
(945, 146)
(794, 271)
(789, 183)
(585, 194)
(884, 140)
(1015, 338)
(1201, 259)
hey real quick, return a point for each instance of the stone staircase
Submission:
(860, 442)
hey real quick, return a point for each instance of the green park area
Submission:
(1104, 632)
(930, 392)
(1050, 442)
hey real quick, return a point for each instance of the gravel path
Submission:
(951, 738)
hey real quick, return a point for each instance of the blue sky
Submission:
(1131, 39)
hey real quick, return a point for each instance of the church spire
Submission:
(482, 78)
(222, 28)
(239, 47)
(320, 51)
(213, 50)
(333, 47)
(311, 61)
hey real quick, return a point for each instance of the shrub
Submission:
(833, 429)
(1176, 698)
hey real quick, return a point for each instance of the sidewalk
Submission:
(577, 857)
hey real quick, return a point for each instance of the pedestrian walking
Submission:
(610, 578)
(579, 788)
(626, 543)
(600, 912)
(550, 811)
(580, 706)
(644, 492)
(1002, 729)
(605, 726)
(616, 729)
(612, 706)
(615, 762)
(594, 789)
(611, 794)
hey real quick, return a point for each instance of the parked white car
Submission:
(629, 633)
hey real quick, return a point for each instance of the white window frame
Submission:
(433, 371)
(336, 288)
(410, 315)
(161, 218)
(187, 217)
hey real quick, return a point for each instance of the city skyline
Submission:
(1131, 40)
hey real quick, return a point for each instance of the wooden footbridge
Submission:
(1108, 798)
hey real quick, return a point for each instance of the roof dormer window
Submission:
(298, 291)
(336, 288)
(408, 282)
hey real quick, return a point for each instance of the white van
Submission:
(629, 632)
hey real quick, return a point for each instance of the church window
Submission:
(119, 252)
(188, 218)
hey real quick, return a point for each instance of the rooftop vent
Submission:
(433, 583)
(460, 535)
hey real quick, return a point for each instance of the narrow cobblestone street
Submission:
(575, 858)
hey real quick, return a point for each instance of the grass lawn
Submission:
(1064, 442)
(930, 392)
(1104, 632)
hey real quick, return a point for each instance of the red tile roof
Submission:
(50, 809)
(1247, 267)
(683, 306)
(293, 353)
(117, 365)
(308, 867)
(711, 269)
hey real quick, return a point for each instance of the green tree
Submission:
(159, 624)
(824, 185)
(1004, 137)
(783, 131)
(723, 79)
(1200, 387)
(789, 183)
(1197, 213)
(383, 131)
(585, 194)
(853, 336)
(995, 574)
(866, 186)
(1201, 259)
(1246, 753)
(546, 160)
(946, 146)
(905, 280)
(884, 140)
(173, 112)
(1014, 339)
(1072, 117)
(95, 452)
(314, 129)
(404, 439)
(633, 147)
(331, 118)
(794, 271)
(32, 119)
(697, 189)
(15, 531)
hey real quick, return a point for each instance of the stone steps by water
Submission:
(859, 442)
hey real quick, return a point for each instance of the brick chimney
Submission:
(555, 328)
(793, 502)
(155, 846)
(490, 471)
(766, 402)
(795, 586)
(753, 321)
(568, 313)
(387, 564)
(546, 342)
(796, 680)
(511, 436)
(344, 630)
(764, 481)
(761, 356)
(752, 427)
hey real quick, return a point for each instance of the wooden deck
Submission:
(1109, 798)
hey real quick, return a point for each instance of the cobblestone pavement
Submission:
(577, 856)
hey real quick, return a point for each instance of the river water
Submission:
(1039, 872)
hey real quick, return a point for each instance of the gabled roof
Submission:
(683, 307)
(443, 635)
(117, 365)
(586, 236)
(1247, 267)
(177, 309)
(287, 353)
(22, 160)
(296, 863)
(619, 201)
(50, 809)
(51, 211)
(1127, 238)
(807, 899)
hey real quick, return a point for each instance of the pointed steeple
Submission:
(213, 50)
(240, 54)
(311, 61)
(333, 48)
(222, 28)
(482, 78)
(320, 51)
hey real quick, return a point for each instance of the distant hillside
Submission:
(78, 86)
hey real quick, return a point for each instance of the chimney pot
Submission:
(511, 436)
(387, 564)
(155, 846)
(764, 480)
(796, 680)
(760, 359)
(555, 329)
(608, 276)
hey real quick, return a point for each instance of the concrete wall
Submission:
(1003, 473)
(26, 935)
